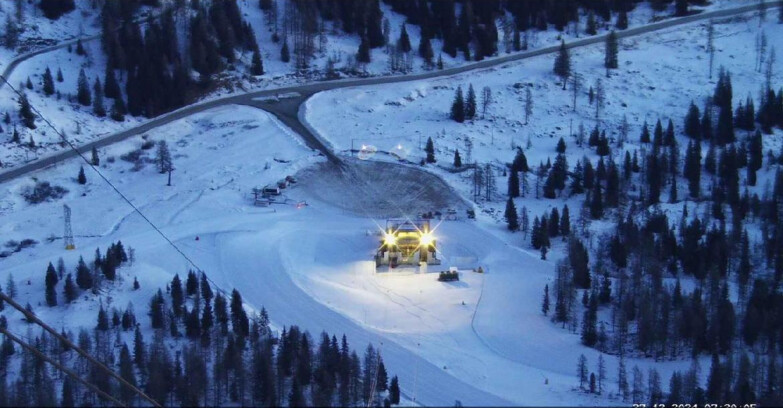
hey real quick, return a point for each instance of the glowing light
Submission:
(389, 239)
(426, 239)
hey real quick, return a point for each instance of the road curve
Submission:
(287, 109)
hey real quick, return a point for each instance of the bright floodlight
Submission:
(426, 239)
(389, 239)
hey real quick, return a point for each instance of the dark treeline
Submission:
(201, 349)
(625, 291)
(153, 65)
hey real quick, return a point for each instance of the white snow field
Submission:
(482, 340)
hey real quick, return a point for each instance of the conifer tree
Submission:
(83, 275)
(257, 65)
(622, 19)
(680, 8)
(51, 282)
(458, 106)
(98, 107)
(610, 57)
(285, 54)
(645, 137)
(80, 48)
(430, 150)
(83, 95)
(118, 109)
(457, 159)
(59, 75)
(404, 42)
(545, 302)
(26, 113)
(69, 290)
(48, 82)
(470, 103)
(513, 184)
(425, 51)
(692, 170)
(692, 123)
(363, 54)
(394, 391)
(563, 63)
(103, 319)
(511, 215)
(163, 158)
(111, 88)
(177, 297)
(82, 179)
(94, 160)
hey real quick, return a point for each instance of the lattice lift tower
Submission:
(68, 235)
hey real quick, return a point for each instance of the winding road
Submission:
(287, 109)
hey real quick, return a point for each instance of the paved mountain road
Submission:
(287, 109)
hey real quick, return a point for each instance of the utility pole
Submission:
(68, 234)
(170, 170)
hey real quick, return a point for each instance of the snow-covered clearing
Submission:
(307, 266)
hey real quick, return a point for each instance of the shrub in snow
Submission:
(43, 191)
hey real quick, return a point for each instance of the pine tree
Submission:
(127, 373)
(426, 52)
(610, 57)
(239, 320)
(430, 150)
(103, 319)
(470, 103)
(511, 215)
(82, 179)
(163, 158)
(98, 107)
(394, 391)
(285, 54)
(458, 106)
(692, 124)
(83, 95)
(622, 19)
(645, 137)
(545, 302)
(118, 109)
(48, 82)
(565, 222)
(581, 370)
(257, 65)
(363, 54)
(692, 170)
(94, 159)
(59, 75)
(563, 63)
(51, 282)
(26, 112)
(404, 42)
(111, 88)
(513, 184)
(177, 297)
(681, 8)
(80, 48)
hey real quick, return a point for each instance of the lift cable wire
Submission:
(60, 367)
(123, 196)
(33, 318)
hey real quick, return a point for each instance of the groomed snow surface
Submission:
(481, 340)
